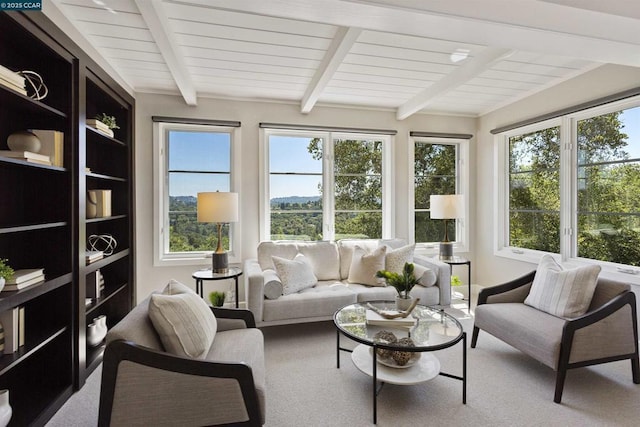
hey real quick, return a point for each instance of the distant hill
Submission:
(295, 199)
(184, 199)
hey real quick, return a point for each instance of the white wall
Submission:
(250, 114)
(603, 81)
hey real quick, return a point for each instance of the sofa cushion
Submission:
(426, 276)
(323, 257)
(185, 323)
(373, 293)
(562, 292)
(295, 274)
(266, 250)
(272, 284)
(365, 264)
(396, 258)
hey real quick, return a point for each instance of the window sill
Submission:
(196, 259)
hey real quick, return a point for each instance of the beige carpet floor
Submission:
(505, 388)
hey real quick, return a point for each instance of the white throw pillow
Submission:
(426, 276)
(562, 292)
(365, 265)
(185, 323)
(272, 284)
(174, 288)
(396, 258)
(296, 274)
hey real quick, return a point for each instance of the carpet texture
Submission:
(505, 388)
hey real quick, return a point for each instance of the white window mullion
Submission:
(568, 178)
(328, 184)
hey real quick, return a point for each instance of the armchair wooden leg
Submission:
(562, 374)
(474, 337)
(635, 369)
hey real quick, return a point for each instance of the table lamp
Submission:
(449, 206)
(220, 208)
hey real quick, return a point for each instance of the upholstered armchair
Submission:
(143, 384)
(607, 332)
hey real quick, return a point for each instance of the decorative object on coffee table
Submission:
(403, 283)
(384, 337)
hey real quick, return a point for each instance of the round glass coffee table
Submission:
(429, 328)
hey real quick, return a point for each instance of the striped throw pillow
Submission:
(562, 292)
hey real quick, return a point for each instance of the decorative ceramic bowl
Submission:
(23, 140)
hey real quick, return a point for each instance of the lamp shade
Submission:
(218, 207)
(447, 206)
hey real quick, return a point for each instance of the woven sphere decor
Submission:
(384, 337)
(103, 242)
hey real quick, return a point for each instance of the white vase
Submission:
(93, 335)
(403, 304)
(5, 408)
(101, 321)
(23, 140)
(2, 282)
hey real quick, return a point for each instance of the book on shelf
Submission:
(376, 319)
(11, 85)
(93, 256)
(52, 145)
(95, 284)
(11, 76)
(24, 155)
(24, 284)
(22, 275)
(13, 324)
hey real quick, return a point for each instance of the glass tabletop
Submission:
(208, 274)
(431, 328)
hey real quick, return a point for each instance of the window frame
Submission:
(568, 124)
(328, 201)
(461, 243)
(161, 255)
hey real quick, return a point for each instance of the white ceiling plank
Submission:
(194, 54)
(339, 48)
(464, 73)
(155, 17)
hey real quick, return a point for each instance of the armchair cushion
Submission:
(562, 292)
(296, 274)
(184, 322)
(364, 266)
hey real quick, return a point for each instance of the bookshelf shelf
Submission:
(46, 225)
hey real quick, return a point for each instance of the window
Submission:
(437, 169)
(300, 165)
(572, 186)
(190, 159)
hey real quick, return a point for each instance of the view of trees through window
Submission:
(296, 186)
(606, 189)
(435, 173)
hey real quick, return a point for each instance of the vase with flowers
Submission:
(403, 282)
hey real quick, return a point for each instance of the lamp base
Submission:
(220, 262)
(446, 250)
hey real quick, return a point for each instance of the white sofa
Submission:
(331, 262)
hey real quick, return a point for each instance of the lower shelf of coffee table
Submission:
(424, 369)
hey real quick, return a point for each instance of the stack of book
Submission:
(93, 256)
(27, 156)
(23, 278)
(376, 319)
(99, 126)
(51, 144)
(13, 323)
(12, 80)
(95, 285)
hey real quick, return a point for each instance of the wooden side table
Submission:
(458, 260)
(202, 275)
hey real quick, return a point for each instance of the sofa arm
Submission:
(514, 291)
(233, 318)
(144, 386)
(443, 273)
(254, 287)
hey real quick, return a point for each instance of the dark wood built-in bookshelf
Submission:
(43, 220)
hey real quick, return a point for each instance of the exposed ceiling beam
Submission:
(154, 15)
(468, 70)
(339, 48)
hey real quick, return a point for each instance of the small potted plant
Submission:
(5, 272)
(403, 283)
(217, 298)
(108, 120)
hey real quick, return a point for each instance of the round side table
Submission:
(202, 275)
